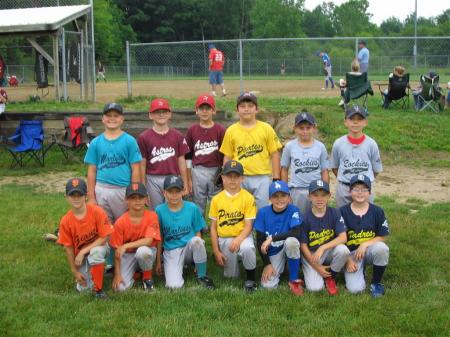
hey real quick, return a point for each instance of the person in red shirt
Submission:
(2, 72)
(3, 100)
(84, 231)
(135, 239)
(216, 62)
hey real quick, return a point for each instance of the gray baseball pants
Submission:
(258, 186)
(300, 199)
(246, 253)
(97, 255)
(203, 187)
(155, 190)
(112, 199)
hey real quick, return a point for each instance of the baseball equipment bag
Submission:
(218, 178)
(41, 71)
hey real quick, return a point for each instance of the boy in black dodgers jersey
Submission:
(367, 228)
(354, 153)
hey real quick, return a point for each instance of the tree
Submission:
(317, 23)
(352, 19)
(391, 26)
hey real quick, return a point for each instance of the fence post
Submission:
(241, 76)
(63, 60)
(128, 70)
(356, 48)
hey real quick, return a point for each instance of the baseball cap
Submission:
(362, 42)
(136, 188)
(278, 186)
(76, 185)
(361, 178)
(350, 111)
(318, 184)
(211, 46)
(159, 104)
(247, 97)
(233, 166)
(172, 181)
(205, 99)
(305, 117)
(112, 106)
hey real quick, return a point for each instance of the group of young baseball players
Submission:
(131, 215)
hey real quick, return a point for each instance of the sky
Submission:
(383, 9)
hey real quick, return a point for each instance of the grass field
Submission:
(37, 290)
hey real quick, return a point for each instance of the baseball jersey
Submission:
(274, 223)
(363, 56)
(78, 233)
(319, 231)
(113, 158)
(326, 60)
(162, 151)
(217, 60)
(125, 231)
(351, 159)
(365, 228)
(204, 144)
(252, 147)
(179, 227)
(305, 163)
(229, 211)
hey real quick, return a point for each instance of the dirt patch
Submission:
(46, 183)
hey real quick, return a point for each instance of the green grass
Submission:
(38, 297)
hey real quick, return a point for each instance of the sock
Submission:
(332, 82)
(326, 84)
(333, 273)
(201, 269)
(97, 272)
(110, 258)
(378, 272)
(294, 266)
(147, 275)
(251, 274)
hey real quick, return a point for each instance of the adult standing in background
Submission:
(363, 56)
(326, 69)
(216, 62)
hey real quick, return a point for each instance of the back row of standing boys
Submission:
(257, 194)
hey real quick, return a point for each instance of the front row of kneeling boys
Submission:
(329, 240)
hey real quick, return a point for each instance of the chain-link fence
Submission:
(284, 58)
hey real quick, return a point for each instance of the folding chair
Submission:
(430, 95)
(77, 135)
(29, 136)
(358, 88)
(397, 92)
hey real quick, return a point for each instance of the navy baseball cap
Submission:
(76, 185)
(173, 181)
(305, 117)
(247, 97)
(350, 111)
(211, 46)
(233, 166)
(362, 42)
(136, 188)
(278, 186)
(317, 185)
(361, 179)
(112, 106)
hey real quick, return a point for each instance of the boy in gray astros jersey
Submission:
(354, 153)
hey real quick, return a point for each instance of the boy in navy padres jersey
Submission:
(277, 229)
(367, 229)
(180, 222)
(354, 153)
(322, 241)
(306, 159)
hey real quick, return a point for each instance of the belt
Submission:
(346, 184)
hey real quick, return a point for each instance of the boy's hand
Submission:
(79, 258)
(234, 245)
(80, 278)
(120, 251)
(267, 273)
(360, 252)
(266, 244)
(350, 266)
(324, 271)
(158, 268)
(117, 280)
(220, 258)
(317, 255)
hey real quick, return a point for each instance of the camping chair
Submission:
(29, 136)
(358, 88)
(397, 91)
(76, 137)
(430, 95)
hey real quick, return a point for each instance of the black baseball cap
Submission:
(233, 166)
(305, 117)
(136, 188)
(76, 185)
(172, 181)
(350, 111)
(361, 179)
(318, 184)
(362, 42)
(247, 97)
(113, 106)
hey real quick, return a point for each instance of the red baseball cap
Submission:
(205, 99)
(159, 104)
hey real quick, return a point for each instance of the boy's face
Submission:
(174, 196)
(76, 200)
(247, 111)
(205, 112)
(319, 199)
(360, 193)
(280, 201)
(112, 120)
(160, 117)
(355, 124)
(232, 182)
(304, 131)
(136, 202)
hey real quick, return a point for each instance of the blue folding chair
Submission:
(29, 136)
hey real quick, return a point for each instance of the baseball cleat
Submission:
(296, 287)
(101, 295)
(331, 286)
(206, 282)
(250, 286)
(50, 237)
(148, 285)
(377, 290)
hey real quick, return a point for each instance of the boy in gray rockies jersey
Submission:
(353, 154)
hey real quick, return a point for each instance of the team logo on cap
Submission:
(111, 106)
(319, 183)
(233, 164)
(134, 187)
(160, 103)
(356, 108)
(277, 186)
(303, 115)
(173, 180)
(205, 98)
(75, 182)
(361, 177)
